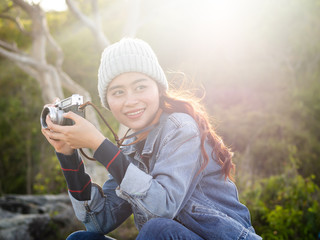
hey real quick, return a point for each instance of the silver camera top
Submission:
(75, 99)
(56, 112)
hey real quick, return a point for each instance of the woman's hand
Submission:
(82, 134)
(59, 145)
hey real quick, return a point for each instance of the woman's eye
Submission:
(117, 93)
(141, 87)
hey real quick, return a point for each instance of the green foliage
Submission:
(49, 178)
(285, 206)
(19, 129)
(306, 112)
(127, 230)
(9, 30)
(26, 163)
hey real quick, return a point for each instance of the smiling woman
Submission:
(173, 174)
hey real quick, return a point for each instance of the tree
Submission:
(94, 23)
(50, 76)
(43, 63)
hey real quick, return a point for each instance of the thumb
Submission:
(71, 115)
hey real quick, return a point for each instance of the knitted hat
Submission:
(128, 55)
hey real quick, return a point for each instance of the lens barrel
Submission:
(55, 115)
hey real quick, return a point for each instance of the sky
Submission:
(49, 5)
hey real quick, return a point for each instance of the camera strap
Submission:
(142, 134)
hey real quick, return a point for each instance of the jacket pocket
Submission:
(203, 210)
(209, 222)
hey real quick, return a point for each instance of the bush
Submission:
(285, 206)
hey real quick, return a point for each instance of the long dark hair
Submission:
(185, 102)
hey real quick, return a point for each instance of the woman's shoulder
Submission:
(180, 120)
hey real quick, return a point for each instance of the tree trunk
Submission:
(29, 163)
(51, 78)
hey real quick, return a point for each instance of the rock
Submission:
(30, 217)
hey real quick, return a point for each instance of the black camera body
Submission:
(56, 112)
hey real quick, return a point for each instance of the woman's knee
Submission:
(76, 235)
(154, 227)
(162, 228)
(84, 235)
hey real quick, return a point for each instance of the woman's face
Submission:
(133, 99)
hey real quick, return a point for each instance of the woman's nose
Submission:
(131, 100)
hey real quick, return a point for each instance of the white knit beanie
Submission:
(128, 55)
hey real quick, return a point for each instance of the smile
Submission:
(134, 114)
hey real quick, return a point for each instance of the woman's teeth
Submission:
(134, 113)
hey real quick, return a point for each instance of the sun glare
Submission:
(51, 5)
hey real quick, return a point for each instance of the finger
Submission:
(55, 127)
(49, 122)
(73, 116)
(55, 135)
(46, 133)
(56, 100)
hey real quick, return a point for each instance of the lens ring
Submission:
(43, 116)
(59, 117)
(52, 111)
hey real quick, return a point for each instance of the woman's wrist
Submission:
(97, 142)
(66, 152)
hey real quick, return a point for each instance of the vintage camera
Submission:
(56, 112)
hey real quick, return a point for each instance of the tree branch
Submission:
(23, 59)
(7, 9)
(25, 6)
(94, 26)
(77, 12)
(17, 21)
(56, 47)
(11, 47)
(29, 70)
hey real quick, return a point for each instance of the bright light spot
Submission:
(51, 5)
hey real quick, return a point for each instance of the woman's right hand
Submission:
(59, 145)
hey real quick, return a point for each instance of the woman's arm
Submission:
(99, 210)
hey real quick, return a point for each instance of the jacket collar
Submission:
(150, 141)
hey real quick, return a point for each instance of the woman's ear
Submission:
(161, 97)
(161, 91)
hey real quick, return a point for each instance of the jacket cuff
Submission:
(135, 182)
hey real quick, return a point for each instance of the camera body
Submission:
(56, 112)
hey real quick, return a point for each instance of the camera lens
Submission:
(55, 115)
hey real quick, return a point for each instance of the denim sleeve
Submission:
(105, 211)
(162, 192)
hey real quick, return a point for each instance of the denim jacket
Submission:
(163, 180)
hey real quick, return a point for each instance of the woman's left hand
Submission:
(82, 134)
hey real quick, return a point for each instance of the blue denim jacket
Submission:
(163, 180)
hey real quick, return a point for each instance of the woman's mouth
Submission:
(135, 114)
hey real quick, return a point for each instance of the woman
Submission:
(173, 174)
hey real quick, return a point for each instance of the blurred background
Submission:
(258, 61)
